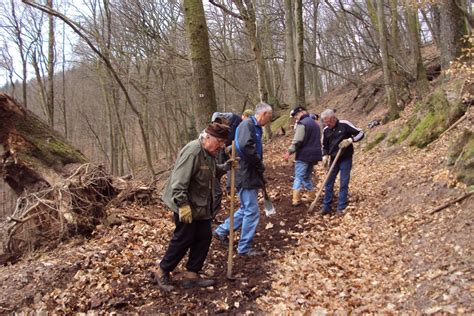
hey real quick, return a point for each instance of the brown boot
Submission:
(192, 279)
(311, 196)
(162, 279)
(296, 198)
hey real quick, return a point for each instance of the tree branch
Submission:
(77, 29)
(354, 82)
(442, 207)
(226, 10)
(466, 14)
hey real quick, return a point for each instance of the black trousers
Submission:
(195, 237)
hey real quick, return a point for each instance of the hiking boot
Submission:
(251, 253)
(339, 212)
(224, 240)
(162, 279)
(296, 198)
(311, 196)
(326, 211)
(193, 279)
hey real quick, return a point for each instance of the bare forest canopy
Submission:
(116, 78)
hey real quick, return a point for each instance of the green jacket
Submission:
(192, 181)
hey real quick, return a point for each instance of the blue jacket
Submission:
(309, 150)
(248, 141)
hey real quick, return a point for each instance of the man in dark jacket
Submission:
(189, 194)
(338, 134)
(249, 179)
(307, 145)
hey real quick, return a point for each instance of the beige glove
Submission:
(231, 163)
(185, 214)
(326, 160)
(345, 143)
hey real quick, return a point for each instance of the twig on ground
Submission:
(442, 207)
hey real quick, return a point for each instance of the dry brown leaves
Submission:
(388, 253)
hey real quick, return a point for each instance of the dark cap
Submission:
(218, 130)
(296, 110)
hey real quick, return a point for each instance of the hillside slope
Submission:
(391, 251)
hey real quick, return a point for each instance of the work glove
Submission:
(231, 163)
(286, 156)
(185, 214)
(326, 160)
(345, 143)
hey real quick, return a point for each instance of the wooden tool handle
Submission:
(231, 215)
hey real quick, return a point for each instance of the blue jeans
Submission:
(303, 175)
(247, 217)
(344, 167)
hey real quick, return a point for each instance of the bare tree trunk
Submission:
(453, 28)
(300, 87)
(430, 23)
(64, 108)
(248, 13)
(316, 80)
(51, 62)
(250, 21)
(268, 42)
(436, 18)
(290, 53)
(414, 35)
(387, 74)
(39, 80)
(203, 80)
(21, 48)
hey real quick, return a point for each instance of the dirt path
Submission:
(386, 254)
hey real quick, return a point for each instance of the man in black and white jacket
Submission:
(338, 134)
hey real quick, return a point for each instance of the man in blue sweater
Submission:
(306, 145)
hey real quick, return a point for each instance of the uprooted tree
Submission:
(59, 192)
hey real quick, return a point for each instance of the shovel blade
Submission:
(269, 209)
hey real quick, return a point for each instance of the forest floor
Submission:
(389, 252)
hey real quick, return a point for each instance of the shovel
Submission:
(267, 203)
(313, 204)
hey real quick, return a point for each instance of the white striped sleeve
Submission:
(358, 132)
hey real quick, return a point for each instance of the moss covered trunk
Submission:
(33, 156)
(204, 95)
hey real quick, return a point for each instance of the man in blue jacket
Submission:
(338, 134)
(249, 179)
(307, 145)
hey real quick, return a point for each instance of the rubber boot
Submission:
(192, 279)
(311, 196)
(296, 198)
